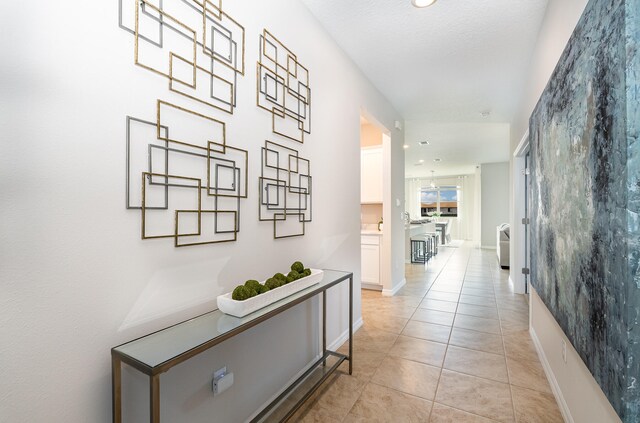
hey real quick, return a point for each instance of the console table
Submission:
(158, 352)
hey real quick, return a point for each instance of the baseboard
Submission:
(345, 335)
(557, 392)
(516, 289)
(333, 346)
(371, 286)
(392, 292)
(513, 288)
(487, 247)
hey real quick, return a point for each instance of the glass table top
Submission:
(159, 347)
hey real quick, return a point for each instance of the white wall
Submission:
(495, 200)
(580, 396)
(577, 390)
(76, 278)
(470, 196)
(370, 135)
(477, 208)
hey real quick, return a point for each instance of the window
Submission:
(428, 202)
(449, 202)
(442, 199)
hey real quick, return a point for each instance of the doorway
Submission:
(520, 230)
(371, 204)
(527, 221)
(375, 205)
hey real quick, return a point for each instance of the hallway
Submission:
(451, 346)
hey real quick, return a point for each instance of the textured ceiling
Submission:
(459, 146)
(444, 63)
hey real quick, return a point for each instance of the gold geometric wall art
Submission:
(181, 173)
(188, 186)
(283, 89)
(193, 43)
(285, 190)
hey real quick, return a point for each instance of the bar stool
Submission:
(419, 253)
(435, 238)
(440, 231)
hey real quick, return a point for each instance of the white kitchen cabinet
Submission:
(370, 247)
(371, 175)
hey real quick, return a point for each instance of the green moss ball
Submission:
(280, 276)
(263, 289)
(253, 284)
(290, 279)
(298, 267)
(306, 272)
(273, 283)
(241, 293)
(293, 275)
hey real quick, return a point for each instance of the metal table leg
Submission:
(154, 391)
(324, 325)
(351, 325)
(116, 389)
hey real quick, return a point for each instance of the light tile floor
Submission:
(451, 346)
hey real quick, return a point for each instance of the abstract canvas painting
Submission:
(585, 150)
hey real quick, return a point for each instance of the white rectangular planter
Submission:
(241, 308)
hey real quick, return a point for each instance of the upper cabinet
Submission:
(371, 175)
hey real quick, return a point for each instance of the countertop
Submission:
(414, 225)
(370, 232)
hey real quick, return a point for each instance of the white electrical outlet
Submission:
(564, 351)
(219, 373)
(221, 381)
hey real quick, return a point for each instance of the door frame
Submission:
(518, 237)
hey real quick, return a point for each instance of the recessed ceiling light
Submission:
(405, 146)
(422, 3)
(421, 161)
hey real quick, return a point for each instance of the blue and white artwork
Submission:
(585, 147)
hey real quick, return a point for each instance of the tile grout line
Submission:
(464, 411)
(506, 363)
(425, 294)
(479, 268)
(435, 394)
(387, 353)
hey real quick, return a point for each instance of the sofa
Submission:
(502, 239)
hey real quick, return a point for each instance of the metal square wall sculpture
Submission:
(283, 89)
(181, 173)
(188, 189)
(285, 190)
(585, 149)
(194, 44)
